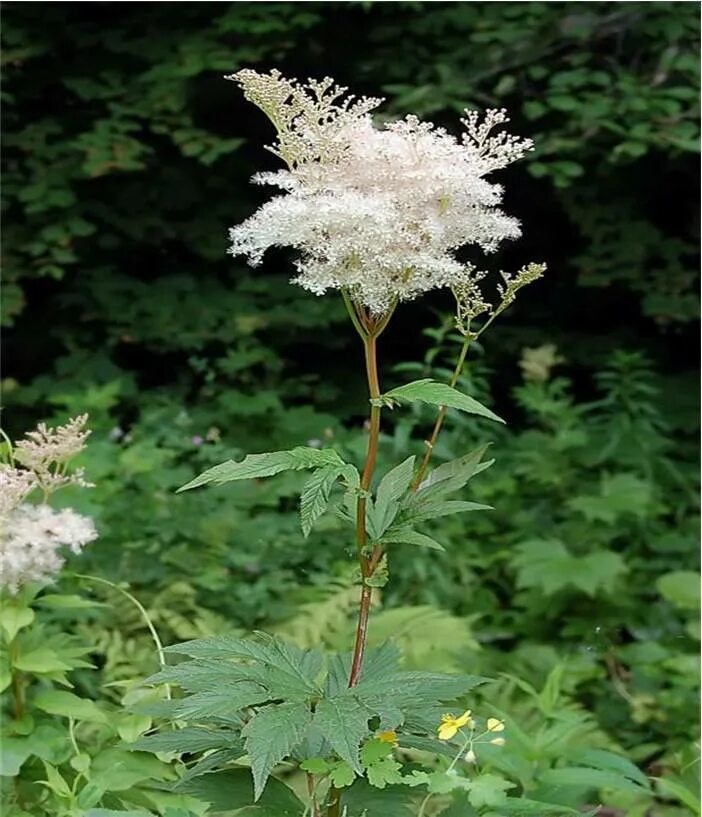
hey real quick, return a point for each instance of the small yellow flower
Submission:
(450, 725)
(493, 725)
(471, 757)
(387, 737)
(498, 741)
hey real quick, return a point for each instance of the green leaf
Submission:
(68, 705)
(588, 779)
(434, 510)
(279, 666)
(609, 762)
(437, 394)
(364, 800)
(190, 739)
(383, 772)
(670, 787)
(342, 775)
(222, 703)
(374, 750)
(315, 765)
(255, 466)
(229, 790)
(681, 588)
(391, 489)
(547, 565)
(407, 536)
(271, 735)
(489, 790)
(314, 498)
(452, 475)
(55, 601)
(41, 660)
(14, 618)
(620, 495)
(414, 688)
(344, 723)
(535, 808)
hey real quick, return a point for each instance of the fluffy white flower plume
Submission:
(377, 212)
(30, 549)
(32, 537)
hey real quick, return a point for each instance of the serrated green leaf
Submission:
(190, 739)
(344, 723)
(271, 735)
(407, 536)
(451, 476)
(222, 703)
(314, 498)
(437, 394)
(256, 466)
(391, 489)
(415, 689)
(282, 667)
(378, 662)
(434, 510)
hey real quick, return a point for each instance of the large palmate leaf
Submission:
(274, 662)
(364, 800)
(436, 394)
(255, 466)
(271, 735)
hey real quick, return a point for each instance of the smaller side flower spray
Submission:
(33, 536)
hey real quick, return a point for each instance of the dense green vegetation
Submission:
(127, 157)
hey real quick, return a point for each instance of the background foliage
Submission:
(127, 157)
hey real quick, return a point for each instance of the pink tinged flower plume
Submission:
(378, 212)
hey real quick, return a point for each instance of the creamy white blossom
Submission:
(378, 212)
(15, 484)
(33, 540)
(45, 452)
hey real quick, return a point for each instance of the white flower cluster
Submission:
(376, 212)
(45, 451)
(34, 535)
(31, 536)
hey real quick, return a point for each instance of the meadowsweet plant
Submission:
(379, 214)
(35, 537)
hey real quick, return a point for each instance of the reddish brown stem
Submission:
(364, 561)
